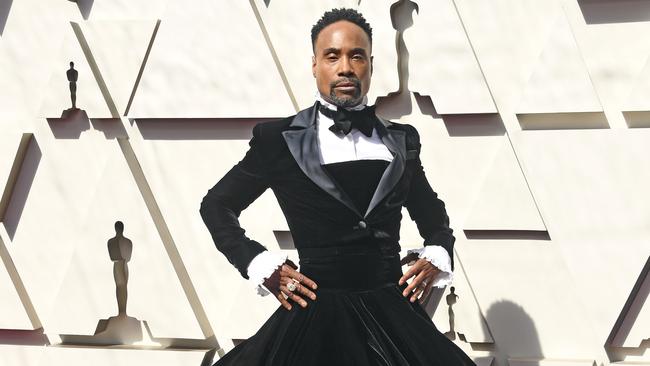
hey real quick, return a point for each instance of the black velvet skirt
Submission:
(359, 318)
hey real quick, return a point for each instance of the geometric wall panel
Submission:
(559, 81)
(528, 55)
(504, 201)
(596, 223)
(16, 305)
(637, 100)
(14, 315)
(119, 49)
(191, 75)
(526, 314)
(614, 52)
(633, 325)
(28, 47)
(65, 236)
(13, 150)
(441, 60)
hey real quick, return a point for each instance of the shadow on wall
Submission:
(197, 128)
(23, 185)
(622, 333)
(24, 337)
(614, 11)
(5, 6)
(399, 103)
(85, 6)
(514, 332)
(74, 123)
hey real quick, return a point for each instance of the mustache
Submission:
(353, 80)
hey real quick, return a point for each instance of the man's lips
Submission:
(346, 86)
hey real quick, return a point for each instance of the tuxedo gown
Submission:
(359, 317)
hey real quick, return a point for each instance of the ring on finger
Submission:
(291, 286)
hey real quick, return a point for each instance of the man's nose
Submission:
(345, 67)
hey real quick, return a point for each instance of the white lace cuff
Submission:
(439, 257)
(262, 266)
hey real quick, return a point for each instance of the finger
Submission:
(283, 301)
(408, 274)
(417, 292)
(292, 273)
(426, 292)
(416, 282)
(416, 268)
(301, 288)
(294, 296)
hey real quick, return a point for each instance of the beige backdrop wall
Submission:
(535, 118)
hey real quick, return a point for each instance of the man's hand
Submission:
(277, 284)
(424, 273)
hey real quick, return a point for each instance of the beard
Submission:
(347, 100)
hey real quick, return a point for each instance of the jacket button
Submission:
(362, 224)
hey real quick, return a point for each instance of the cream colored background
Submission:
(534, 115)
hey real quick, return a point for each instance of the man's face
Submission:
(342, 63)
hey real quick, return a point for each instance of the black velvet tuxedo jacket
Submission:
(284, 156)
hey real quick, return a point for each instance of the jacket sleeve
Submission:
(424, 206)
(223, 203)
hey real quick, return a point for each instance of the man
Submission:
(285, 156)
(341, 176)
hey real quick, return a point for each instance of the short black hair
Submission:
(336, 15)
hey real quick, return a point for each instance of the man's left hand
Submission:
(424, 273)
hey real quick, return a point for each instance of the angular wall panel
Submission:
(212, 76)
(14, 315)
(120, 49)
(66, 239)
(590, 187)
(559, 82)
(442, 62)
(504, 201)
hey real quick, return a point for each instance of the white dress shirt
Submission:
(337, 148)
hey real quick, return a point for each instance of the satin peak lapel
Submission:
(395, 141)
(303, 145)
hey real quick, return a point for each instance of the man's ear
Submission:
(371, 58)
(313, 66)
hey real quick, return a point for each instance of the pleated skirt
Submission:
(359, 318)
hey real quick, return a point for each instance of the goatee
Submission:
(350, 101)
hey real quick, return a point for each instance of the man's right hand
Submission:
(277, 284)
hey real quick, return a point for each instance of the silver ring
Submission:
(424, 283)
(291, 286)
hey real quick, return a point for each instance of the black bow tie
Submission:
(344, 120)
